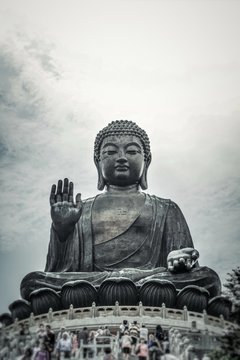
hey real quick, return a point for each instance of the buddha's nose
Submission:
(121, 157)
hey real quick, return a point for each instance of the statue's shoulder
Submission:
(89, 200)
(164, 202)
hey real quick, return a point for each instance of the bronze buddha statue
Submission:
(123, 231)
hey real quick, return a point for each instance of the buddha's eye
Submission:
(132, 152)
(111, 152)
(108, 151)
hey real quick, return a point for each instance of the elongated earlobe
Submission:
(101, 183)
(143, 181)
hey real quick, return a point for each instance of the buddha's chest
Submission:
(113, 215)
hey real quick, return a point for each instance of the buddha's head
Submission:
(122, 155)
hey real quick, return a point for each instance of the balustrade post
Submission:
(185, 313)
(93, 310)
(50, 315)
(15, 325)
(70, 315)
(116, 309)
(164, 311)
(31, 319)
(141, 310)
(222, 321)
(205, 317)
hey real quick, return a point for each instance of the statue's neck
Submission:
(122, 190)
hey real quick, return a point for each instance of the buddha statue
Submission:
(122, 232)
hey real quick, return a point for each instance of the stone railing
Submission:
(112, 316)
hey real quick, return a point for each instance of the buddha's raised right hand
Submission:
(64, 212)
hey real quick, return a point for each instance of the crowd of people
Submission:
(137, 341)
(131, 341)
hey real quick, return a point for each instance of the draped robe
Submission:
(161, 228)
(139, 252)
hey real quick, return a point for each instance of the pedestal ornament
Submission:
(220, 305)
(117, 289)
(43, 299)
(20, 309)
(78, 293)
(195, 298)
(156, 292)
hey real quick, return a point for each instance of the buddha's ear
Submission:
(101, 183)
(143, 180)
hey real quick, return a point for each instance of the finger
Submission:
(181, 261)
(70, 197)
(175, 263)
(65, 190)
(188, 264)
(188, 250)
(59, 191)
(195, 255)
(78, 201)
(170, 266)
(52, 195)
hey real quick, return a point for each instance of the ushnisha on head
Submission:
(127, 144)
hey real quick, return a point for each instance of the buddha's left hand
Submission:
(182, 259)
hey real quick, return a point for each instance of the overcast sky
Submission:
(68, 68)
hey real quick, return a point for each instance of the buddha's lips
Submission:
(122, 167)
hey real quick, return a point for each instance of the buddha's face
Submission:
(122, 160)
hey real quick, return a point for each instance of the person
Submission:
(142, 350)
(40, 332)
(108, 354)
(143, 332)
(64, 346)
(159, 333)
(123, 327)
(154, 349)
(27, 354)
(126, 345)
(91, 340)
(106, 331)
(22, 337)
(36, 347)
(134, 333)
(83, 337)
(165, 342)
(49, 340)
(150, 233)
(27, 331)
(42, 353)
(61, 332)
(75, 344)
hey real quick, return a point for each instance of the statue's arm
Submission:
(64, 212)
(180, 249)
(64, 256)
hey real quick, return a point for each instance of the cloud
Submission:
(39, 129)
